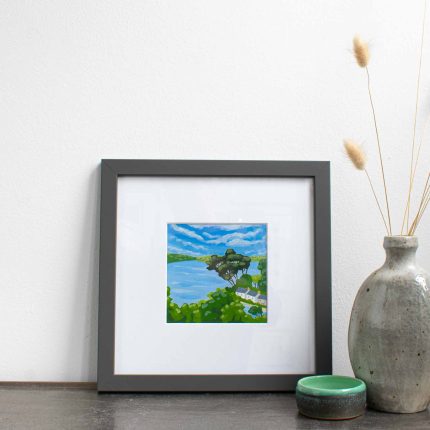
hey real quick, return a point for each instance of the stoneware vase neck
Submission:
(400, 250)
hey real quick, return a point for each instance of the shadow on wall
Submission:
(83, 329)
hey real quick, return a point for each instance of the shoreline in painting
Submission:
(219, 275)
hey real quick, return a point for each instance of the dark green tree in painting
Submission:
(262, 267)
(229, 266)
(245, 281)
(256, 310)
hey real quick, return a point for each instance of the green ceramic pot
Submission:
(331, 397)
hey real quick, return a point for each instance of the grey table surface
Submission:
(56, 408)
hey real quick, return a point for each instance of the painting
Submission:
(217, 273)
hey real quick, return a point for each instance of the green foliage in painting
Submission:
(262, 267)
(230, 266)
(256, 310)
(255, 280)
(173, 258)
(245, 281)
(222, 306)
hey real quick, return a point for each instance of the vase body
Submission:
(389, 331)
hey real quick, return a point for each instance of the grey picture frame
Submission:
(111, 170)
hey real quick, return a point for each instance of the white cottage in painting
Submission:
(241, 292)
(262, 299)
(252, 295)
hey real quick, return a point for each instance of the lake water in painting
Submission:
(190, 281)
(217, 273)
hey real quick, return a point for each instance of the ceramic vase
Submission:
(389, 331)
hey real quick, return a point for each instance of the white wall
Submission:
(217, 79)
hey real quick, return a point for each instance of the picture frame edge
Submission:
(111, 170)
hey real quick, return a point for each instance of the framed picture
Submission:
(214, 275)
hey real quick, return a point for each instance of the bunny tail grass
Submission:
(361, 51)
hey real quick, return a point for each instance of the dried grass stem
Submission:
(358, 159)
(379, 151)
(412, 173)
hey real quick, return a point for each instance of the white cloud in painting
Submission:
(186, 243)
(242, 242)
(176, 250)
(226, 227)
(202, 239)
(228, 238)
(208, 235)
(229, 227)
(187, 232)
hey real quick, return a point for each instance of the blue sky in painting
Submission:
(208, 239)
